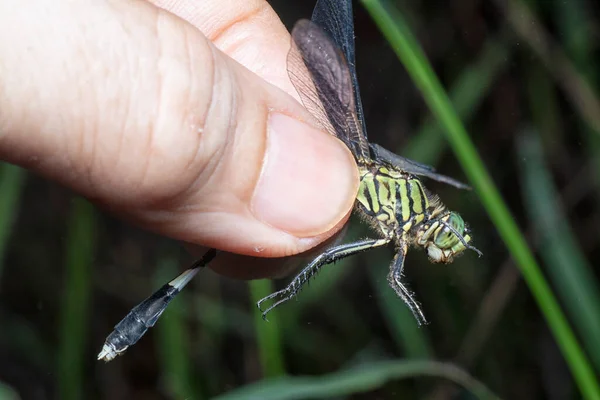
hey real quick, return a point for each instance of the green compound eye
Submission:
(457, 222)
(445, 238)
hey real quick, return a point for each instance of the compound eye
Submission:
(446, 239)
(456, 222)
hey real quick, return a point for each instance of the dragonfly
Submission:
(391, 198)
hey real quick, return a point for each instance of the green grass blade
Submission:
(466, 94)
(12, 179)
(267, 333)
(363, 378)
(575, 23)
(545, 110)
(575, 87)
(8, 393)
(567, 266)
(75, 310)
(172, 340)
(238, 321)
(300, 338)
(409, 52)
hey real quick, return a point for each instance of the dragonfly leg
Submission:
(328, 257)
(395, 280)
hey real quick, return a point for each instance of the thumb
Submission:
(137, 110)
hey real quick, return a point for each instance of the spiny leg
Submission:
(395, 281)
(328, 257)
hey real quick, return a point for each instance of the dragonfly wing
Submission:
(413, 167)
(404, 163)
(319, 72)
(336, 18)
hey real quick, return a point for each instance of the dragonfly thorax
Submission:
(397, 204)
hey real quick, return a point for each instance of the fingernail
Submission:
(309, 179)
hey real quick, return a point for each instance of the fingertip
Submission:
(308, 182)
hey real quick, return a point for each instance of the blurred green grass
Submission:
(355, 380)
(12, 179)
(341, 329)
(570, 272)
(76, 296)
(267, 335)
(173, 342)
(8, 393)
(406, 47)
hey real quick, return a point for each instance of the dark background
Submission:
(525, 85)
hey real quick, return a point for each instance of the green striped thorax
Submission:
(398, 205)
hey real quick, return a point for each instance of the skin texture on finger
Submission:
(229, 264)
(120, 113)
(249, 31)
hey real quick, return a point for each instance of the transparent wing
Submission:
(335, 17)
(320, 74)
(413, 167)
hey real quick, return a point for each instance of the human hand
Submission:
(189, 129)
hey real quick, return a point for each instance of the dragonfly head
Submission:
(445, 237)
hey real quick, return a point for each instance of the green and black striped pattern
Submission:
(393, 197)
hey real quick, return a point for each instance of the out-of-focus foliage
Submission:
(521, 75)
